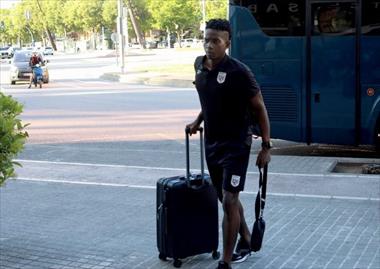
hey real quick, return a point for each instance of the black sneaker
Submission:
(240, 257)
(242, 251)
(223, 265)
(242, 245)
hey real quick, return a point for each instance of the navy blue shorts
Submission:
(227, 167)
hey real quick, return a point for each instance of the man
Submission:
(229, 96)
(34, 60)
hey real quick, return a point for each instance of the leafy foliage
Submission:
(12, 135)
(109, 13)
(216, 9)
(173, 15)
(88, 16)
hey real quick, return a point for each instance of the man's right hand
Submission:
(193, 127)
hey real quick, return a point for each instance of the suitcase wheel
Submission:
(177, 263)
(215, 255)
(162, 257)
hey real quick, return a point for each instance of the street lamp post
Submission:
(120, 32)
(28, 16)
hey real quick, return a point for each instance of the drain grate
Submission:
(357, 168)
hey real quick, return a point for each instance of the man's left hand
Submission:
(263, 158)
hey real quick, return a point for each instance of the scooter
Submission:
(37, 75)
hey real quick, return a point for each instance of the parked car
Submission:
(4, 52)
(20, 69)
(11, 51)
(47, 51)
(191, 43)
(187, 43)
(134, 45)
(151, 44)
(28, 48)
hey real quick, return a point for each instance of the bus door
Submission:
(331, 50)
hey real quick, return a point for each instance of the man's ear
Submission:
(228, 43)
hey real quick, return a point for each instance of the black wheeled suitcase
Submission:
(187, 214)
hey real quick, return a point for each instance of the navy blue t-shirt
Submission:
(225, 94)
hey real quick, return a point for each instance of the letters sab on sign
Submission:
(272, 7)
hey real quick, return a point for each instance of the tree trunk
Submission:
(179, 38)
(135, 24)
(52, 41)
(168, 37)
(94, 37)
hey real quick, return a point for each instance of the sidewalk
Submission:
(59, 225)
(148, 77)
(73, 216)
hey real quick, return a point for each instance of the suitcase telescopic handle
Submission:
(187, 131)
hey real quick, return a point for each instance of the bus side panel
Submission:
(277, 63)
(370, 78)
(333, 89)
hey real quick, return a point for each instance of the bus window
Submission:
(277, 17)
(371, 17)
(336, 19)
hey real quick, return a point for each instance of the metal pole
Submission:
(31, 35)
(120, 32)
(28, 16)
(125, 27)
(103, 38)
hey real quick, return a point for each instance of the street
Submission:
(96, 148)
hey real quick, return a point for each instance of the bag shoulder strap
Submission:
(261, 193)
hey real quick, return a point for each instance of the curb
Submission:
(110, 77)
(146, 80)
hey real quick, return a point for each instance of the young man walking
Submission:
(229, 96)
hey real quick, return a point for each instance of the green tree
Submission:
(176, 16)
(7, 35)
(216, 9)
(58, 17)
(50, 13)
(12, 135)
(109, 14)
(17, 26)
(90, 15)
(143, 14)
(84, 16)
(71, 17)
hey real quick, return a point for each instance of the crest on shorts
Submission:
(221, 77)
(235, 180)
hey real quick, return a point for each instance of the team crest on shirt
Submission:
(221, 77)
(235, 180)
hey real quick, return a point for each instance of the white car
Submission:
(187, 43)
(4, 53)
(47, 51)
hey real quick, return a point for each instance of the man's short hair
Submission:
(220, 25)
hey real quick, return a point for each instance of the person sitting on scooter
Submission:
(34, 60)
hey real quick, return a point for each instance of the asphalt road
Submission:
(74, 81)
